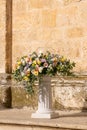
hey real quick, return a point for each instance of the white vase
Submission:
(44, 100)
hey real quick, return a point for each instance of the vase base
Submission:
(45, 115)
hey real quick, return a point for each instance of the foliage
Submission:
(31, 68)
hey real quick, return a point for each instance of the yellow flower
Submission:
(54, 59)
(19, 62)
(18, 66)
(34, 62)
(25, 78)
(35, 73)
(38, 62)
(63, 59)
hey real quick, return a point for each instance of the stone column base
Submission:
(45, 115)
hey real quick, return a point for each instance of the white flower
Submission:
(23, 61)
(22, 73)
(40, 69)
(28, 69)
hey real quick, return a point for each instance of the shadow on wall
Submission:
(84, 109)
(6, 97)
(5, 91)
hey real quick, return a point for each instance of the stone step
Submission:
(20, 119)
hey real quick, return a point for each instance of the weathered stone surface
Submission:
(75, 32)
(47, 24)
(5, 96)
(5, 91)
(49, 18)
(70, 93)
(2, 53)
(20, 119)
(21, 99)
(39, 3)
(70, 1)
(2, 35)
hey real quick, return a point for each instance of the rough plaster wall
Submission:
(2, 34)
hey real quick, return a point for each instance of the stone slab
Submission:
(21, 118)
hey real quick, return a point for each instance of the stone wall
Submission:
(59, 24)
(67, 94)
(2, 34)
(70, 93)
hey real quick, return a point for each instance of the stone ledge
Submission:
(22, 117)
(69, 93)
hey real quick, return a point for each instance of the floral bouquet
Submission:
(33, 67)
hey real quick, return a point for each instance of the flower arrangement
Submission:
(33, 67)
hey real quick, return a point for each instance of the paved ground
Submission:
(72, 119)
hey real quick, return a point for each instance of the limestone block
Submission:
(70, 1)
(21, 98)
(2, 53)
(44, 34)
(25, 36)
(37, 44)
(73, 49)
(2, 15)
(82, 19)
(15, 127)
(2, 34)
(21, 22)
(49, 18)
(5, 100)
(5, 91)
(71, 14)
(24, 21)
(47, 23)
(75, 98)
(50, 34)
(39, 3)
(67, 16)
(19, 6)
(62, 20)
(20, 49)
(68, 94)
(57, 33)
(69, 48)
(84, 49)
(75, 32)
(81, 65)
